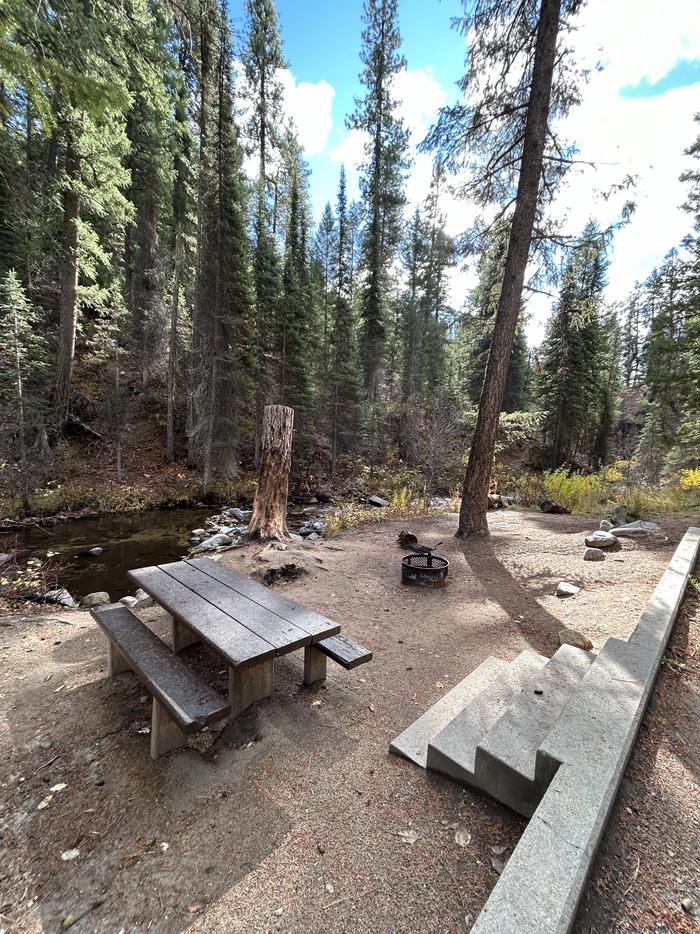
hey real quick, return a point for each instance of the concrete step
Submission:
(412, 744)
(453, 750)
(506, 756)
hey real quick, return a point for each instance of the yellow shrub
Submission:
(690, 479)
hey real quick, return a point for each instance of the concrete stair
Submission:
(486, 732)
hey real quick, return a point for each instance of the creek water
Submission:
(129, 540)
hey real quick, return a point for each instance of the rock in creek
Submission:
(601, 540)
(575, 638)
(594, 554)
(97, 598)
(565, 589)
(95, 552)
(60, 597)
(378, 502)
(235, 513)
(213, 542)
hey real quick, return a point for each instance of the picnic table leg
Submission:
(166, 735)
(116, 663)
(182, 635)
(314, 665)
(248, 685)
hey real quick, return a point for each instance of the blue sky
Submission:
(636, 116)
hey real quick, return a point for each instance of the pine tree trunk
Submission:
(269, 519)
(472, 515)
(172, 356)
(69, 282)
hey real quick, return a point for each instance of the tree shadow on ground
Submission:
(536, 624)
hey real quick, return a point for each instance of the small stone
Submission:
(575, 638)
(314, 537)
(95, 552)
(498, 865)
(198, 533)
(378, 502)
(690, 907)
(69, 855)
(97, 598)
(606, 525)
(601, 540)
(140, 595)
(565, 589)
(594, 554)
(463, 838)
(236, 513)
(128, 601)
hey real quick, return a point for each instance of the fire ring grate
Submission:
(423, 570)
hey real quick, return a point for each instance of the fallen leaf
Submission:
(60, 688)
(316, 703)
(68, 855)
(408, 836)
(463, 838)
(59, 787)
(146, 729)
(44, 803)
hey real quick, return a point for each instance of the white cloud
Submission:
(311, 108)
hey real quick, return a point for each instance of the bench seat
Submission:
(182, 702)
(340, 649)
(344, 651)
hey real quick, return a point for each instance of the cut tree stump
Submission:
(269, 519)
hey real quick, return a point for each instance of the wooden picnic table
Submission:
(247, 624)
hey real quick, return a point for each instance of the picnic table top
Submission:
(244, 621)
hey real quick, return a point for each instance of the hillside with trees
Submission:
(156, 292)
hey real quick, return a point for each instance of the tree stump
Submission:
(269, 519)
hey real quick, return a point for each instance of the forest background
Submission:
(164, 275)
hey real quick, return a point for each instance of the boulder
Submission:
(97, 598)
(606, 525)
(565, 589)
(378, 502)
(638, 529)
(61, 597)
(213, 542)
(601, 540)
(95, 552)
(618, 514)
(594, 554)
(128, 601)
(575, 638)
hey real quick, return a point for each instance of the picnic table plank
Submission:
(263, 622)
(238, 645)
(317, 626)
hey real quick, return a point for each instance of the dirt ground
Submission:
(294, 817)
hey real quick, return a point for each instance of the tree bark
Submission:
(69, 281)
(472, 515)
(269, 519)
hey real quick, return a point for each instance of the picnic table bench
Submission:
(247, 624)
